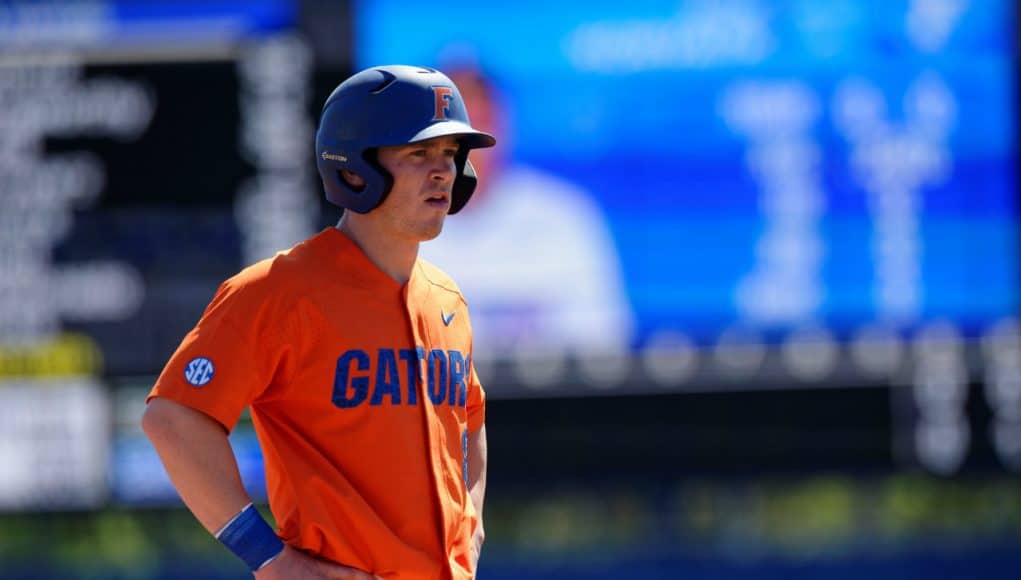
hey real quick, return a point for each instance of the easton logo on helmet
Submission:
(444, 95)
(334, 156)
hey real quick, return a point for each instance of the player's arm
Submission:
(201, 464)
(199, 460)
(477, 456)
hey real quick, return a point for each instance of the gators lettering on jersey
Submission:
(355, 379)
(362, 392)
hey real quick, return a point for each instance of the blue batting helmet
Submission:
(391, 105)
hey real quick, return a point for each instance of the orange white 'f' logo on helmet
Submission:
(443, 97)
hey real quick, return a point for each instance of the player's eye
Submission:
(450, 153)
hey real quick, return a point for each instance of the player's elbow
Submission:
(164, 420)
(155, 422)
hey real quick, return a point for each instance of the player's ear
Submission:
(353, 179)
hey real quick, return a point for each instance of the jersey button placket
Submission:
(415, 297)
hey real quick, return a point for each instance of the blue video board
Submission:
(696, 166)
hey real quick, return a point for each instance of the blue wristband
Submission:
(251, 538)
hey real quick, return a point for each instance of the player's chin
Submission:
(429, 229)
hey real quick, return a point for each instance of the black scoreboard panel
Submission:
(166, 208)
(160, 157)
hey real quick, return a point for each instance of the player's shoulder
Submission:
(438, 278)
(279, 275)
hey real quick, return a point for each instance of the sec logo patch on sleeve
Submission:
(199, 371)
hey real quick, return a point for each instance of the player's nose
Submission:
(443, 170)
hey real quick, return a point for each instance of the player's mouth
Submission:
(439, 200)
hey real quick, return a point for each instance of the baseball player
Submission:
(355, 358)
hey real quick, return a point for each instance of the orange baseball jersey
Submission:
(362, 392)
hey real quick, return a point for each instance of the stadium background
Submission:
(821, 376)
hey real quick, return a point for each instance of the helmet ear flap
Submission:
(464, 182)
(378, 181)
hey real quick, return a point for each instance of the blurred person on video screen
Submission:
(532, 252)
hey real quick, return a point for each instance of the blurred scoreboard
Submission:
(148, 150)
(823, 194)
(140, 168)
(696, 196)
(768, 171)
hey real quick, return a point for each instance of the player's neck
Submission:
(395, 257)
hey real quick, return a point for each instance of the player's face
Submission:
(423, 175)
